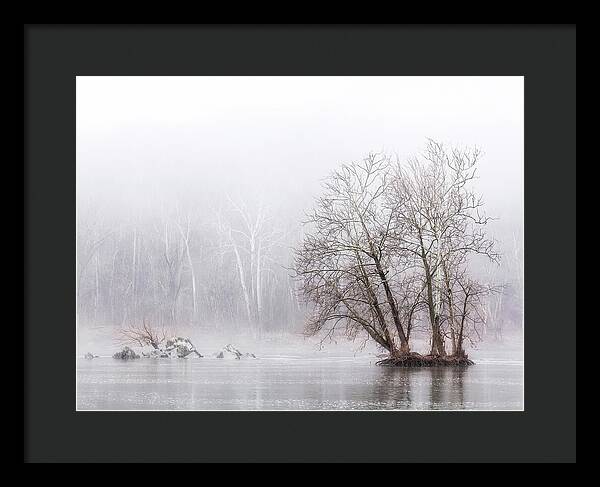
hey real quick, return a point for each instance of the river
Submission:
(294, 383)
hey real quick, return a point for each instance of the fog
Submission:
(170, 168)
(143, 137)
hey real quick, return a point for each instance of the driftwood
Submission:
(414, 359)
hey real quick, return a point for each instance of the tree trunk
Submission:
(258, 285)
(372, 298)
(97, 283)
(191, 264)
(437, 340)
(454, 344)
(404, 346)
(133, 273)
(243, 281)
(452, 317)
(438, 346)
(388, 292)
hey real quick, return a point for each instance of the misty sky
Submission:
(141, 138)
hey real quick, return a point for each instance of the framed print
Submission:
(234, 233)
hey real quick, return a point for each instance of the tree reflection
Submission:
(392, 389)
(438, 383)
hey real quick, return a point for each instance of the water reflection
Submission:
(437, 380)
(457, 386)
(294, 385)
(421, 388)
(393, 388)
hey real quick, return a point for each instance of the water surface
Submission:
(284, 383)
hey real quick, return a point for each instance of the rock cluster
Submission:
(178, 347)
(175, 347)
(181, 347)
(229, 351)
(126, 354)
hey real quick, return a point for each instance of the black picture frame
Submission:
(545, 55)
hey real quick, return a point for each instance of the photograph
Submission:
(299, 243)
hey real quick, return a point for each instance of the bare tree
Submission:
(388, 241)
(439, 220)
(250, 238)
(170, 261)
(143, 335)
(466, 310)
(346, 264)
(92, 235)
(185, 232)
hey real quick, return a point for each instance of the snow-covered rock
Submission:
(181, 347)
(90, 356)
(175, 347)
(126, 354)
(230, 352)
(150, 352)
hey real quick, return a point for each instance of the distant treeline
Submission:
(227, 265)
